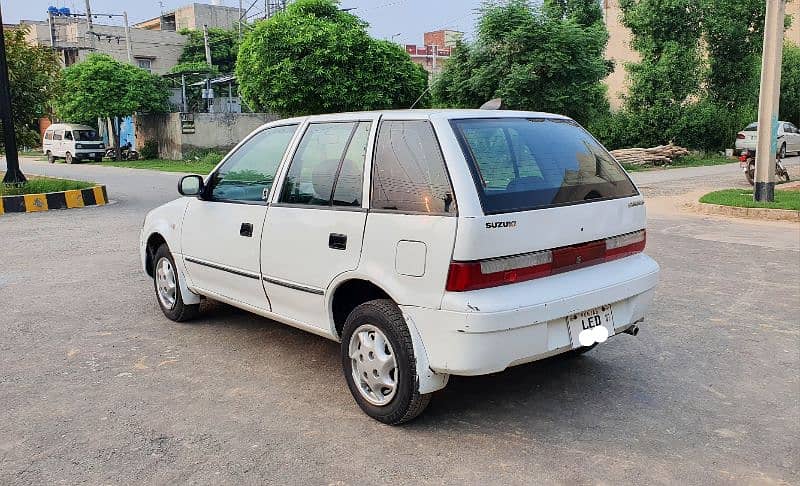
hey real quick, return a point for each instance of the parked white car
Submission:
(429, 243)
(72, 143)
(788, 138)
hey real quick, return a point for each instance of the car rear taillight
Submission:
(493, 272)
(625, 245)
(740, 136)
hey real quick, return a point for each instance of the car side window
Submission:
(321, 156)
(408, 172)
(67, 135)
(249, 173)
(57, 136)
(350, 183)
(48, 135)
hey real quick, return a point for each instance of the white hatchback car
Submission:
(430, 243)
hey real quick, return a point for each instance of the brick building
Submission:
(437, 48)
(194, 16)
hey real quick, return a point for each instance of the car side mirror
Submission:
(191, 185)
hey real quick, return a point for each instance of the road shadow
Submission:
(564, 394)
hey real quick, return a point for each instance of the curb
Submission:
(34, 203)
(748, 213)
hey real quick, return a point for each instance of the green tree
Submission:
(790, 84)
(102, 87)
(666, 33)
(315, 58)
(733, 32)
(583, 12)
(548, 59)
(32, 73)
(224, 46)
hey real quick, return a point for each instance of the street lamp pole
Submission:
(768, 101)
(13, 174)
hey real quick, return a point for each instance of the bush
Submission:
(149, 150)
(206, 156)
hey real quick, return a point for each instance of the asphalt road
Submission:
(96, 386)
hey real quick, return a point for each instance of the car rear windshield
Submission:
(86, 135)
(520, 164)
(751, 127)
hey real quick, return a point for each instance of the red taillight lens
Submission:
(625, 245)
(498, 271)
(464, 276)
(740, 136)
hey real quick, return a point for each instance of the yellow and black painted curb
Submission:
(32, 203)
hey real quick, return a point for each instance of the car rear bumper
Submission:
(514, 324)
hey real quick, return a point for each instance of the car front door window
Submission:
(248, 174)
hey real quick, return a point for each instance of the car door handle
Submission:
(246, 230)
(337, 241)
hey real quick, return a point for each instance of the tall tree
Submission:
(33, 72)
(548, 59)
(583, 12)
(790, 84)
(666, 34)
(224, 46)
(102, 87)
(315, 58)
(733, 32)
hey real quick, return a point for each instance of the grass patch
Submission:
(200, 163)
(202, 166)
(789, 199)
(686, 161)
(39, 185)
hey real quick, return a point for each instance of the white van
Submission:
(429, 242)
(72, 143)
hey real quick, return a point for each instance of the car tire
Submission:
(68, 158)
(367, 324)
(50, 158)
(782, 152)
(750, 173)
(165, 276)
(98, 158)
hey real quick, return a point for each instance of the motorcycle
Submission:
(127, 153)
(747, 161)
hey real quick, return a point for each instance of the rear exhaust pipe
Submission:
(634, 329)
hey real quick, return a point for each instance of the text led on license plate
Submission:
(590, 327)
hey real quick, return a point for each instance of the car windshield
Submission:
(85, 135)
(751, 127)
(520, 164)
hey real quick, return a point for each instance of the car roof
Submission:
(418, 115)
(70, 126)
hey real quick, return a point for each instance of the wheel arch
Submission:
(154, 241)
(348, 294)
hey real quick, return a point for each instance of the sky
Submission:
(409, 18)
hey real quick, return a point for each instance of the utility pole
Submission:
(768, 101)
(128, 37)
(89, 27)
(209, 100)
(240, 21)
(13, 174)
(205, 41)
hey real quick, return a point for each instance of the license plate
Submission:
(592, 326)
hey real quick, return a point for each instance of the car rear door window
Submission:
(409, 173)
(328, 166)
(520, 164)
(248, 174)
